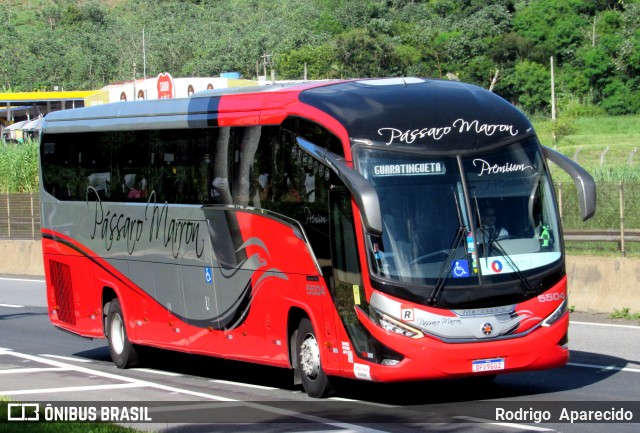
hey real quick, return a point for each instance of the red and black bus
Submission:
(335, 228)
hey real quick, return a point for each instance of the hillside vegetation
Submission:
(502, 44)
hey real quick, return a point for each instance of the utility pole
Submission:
(553, 104)
(134, 82)
(144, 67)
(494, 80)
(144, 58)
(553, 93)
(266, 59)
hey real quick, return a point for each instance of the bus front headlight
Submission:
(397, 327)
(557, 314)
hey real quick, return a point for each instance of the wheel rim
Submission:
(310, 356)
(117, 334)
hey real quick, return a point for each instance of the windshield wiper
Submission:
(488, 244)
(494, 244)
(446, 266)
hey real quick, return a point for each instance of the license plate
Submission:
(487, 365)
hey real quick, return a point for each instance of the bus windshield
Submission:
(469, 220)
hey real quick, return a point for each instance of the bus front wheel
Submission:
(314, 380)
(123, 353)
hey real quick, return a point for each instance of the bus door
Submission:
(346, 286)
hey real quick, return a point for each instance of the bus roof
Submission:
(403, 111)
(414, 112)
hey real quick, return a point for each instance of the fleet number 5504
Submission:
(550, 297)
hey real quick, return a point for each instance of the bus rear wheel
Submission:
(314, 380)
(123, 353)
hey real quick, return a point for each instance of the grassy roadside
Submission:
(609, 148)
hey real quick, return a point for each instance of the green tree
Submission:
(364, 54)
(556, 28)
(319, 60)
(533, 83)
(90, 43)
(620, 97)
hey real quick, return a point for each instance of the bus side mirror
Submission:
(585, 185)
(363, 192)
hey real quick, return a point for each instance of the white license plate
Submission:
(487, 365)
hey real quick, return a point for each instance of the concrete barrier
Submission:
(596, 284)
(603, 284)
(21, 258)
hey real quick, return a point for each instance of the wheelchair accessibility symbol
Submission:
(460, 269)
(208, 277)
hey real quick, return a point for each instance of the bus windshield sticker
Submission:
(409, 169)
(460, 269)
(507, 167)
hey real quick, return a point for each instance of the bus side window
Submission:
(261, 189)
(218, 181)
(246, 150)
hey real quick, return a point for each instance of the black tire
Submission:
(314, 380)
(123, 353)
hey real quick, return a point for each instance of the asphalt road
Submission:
(39, 363)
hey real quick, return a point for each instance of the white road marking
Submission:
(66, 358)
(247, 385)
(99, 373)
(154, 371)
(72, 389)
(133, 383)
(31, 370)
(31, 280)
(604, 367)
(11, 306)
(605, 324)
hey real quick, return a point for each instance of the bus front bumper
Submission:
(430, 358)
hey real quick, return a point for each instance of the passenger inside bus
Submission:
(220, 193)
(490, 230)
(132, 189)
(101, 183)
(292, 194)
(262, 190)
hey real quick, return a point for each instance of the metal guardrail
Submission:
(20, 216)
(617, 209)
(601, 235)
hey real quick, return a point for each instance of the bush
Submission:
(572, 108)
(19, 167)
(620, 99)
